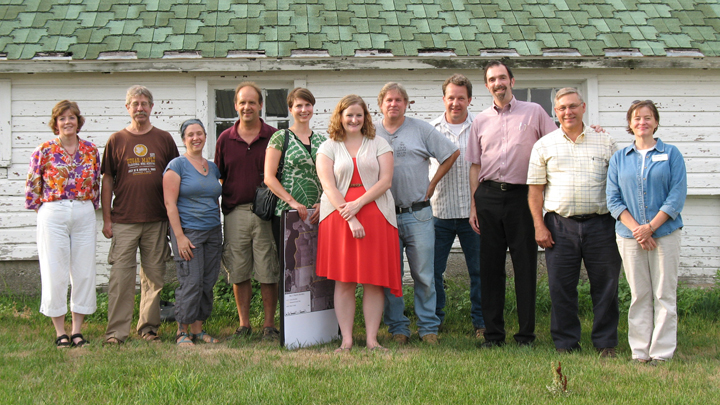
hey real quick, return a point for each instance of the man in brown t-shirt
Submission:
(249, 246)
(132, 168)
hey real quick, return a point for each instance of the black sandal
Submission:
(63, 345)
(81, 343)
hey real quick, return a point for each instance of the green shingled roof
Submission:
(85, 28)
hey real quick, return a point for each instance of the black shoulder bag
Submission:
(265, 200)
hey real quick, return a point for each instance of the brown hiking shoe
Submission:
(607, 352)
(430, 338)
(400, 339)
(479, 333)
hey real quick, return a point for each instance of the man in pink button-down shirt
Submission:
(501, 139)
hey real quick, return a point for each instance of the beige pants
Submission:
(151, 238)
(652, 275)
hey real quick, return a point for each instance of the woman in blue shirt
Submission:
(191, 188)
(646, 190)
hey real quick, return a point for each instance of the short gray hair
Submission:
(568, 90)
(138, 90)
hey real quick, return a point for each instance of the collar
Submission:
(580, 137)
(263, 133)
(509, 107)
(442, 121)
(659, 147)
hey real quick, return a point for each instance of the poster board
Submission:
(306, 300)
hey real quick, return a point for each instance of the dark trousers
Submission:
(505, 221)
(593, 242)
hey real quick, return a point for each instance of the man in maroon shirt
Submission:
(501, 139)
(249, 245)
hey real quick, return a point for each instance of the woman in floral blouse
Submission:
(63, 187)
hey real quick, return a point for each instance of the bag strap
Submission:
(281, 165)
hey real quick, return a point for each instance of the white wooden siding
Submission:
(689, 109)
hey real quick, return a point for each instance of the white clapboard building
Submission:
(192, 58)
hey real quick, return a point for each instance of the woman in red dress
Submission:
(357, 238)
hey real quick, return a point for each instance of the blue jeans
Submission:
(417, 237)
(445, 232)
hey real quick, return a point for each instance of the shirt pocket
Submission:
(598, 169)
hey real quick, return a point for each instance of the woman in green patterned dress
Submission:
(299, 187)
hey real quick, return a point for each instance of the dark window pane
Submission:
(544, 98)
(225, 104)
(520, 94)
(276, 103)
(221, 126)
(283, 124)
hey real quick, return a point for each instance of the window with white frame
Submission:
(543, 96)
(274, 111)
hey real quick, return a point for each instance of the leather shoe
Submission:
(400, 339)
(489, 344)
(607, 352)
(430, 338)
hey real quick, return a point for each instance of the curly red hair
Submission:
(336, 129)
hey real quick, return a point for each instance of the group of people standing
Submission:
(506, 178)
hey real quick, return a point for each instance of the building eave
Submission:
(234, 65)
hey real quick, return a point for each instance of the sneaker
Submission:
(607, 352)
(270, 334)
(430, 338)
(400, 339)
(479, 333)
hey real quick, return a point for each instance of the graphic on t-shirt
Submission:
(401, 150)
(144, 163)
(140, 150)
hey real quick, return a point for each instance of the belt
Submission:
(356, 185)
(415, 207)
(584, 217)
(502, 186)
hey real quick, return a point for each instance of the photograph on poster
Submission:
(299, 271)
(307, 302)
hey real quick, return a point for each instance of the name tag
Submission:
(659, 158)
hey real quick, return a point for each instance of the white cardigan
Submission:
(369, 170)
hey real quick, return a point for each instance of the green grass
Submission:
(247, 371)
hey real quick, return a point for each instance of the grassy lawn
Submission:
(248, 371)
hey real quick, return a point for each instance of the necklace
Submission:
(202, 162)
(71, 165)
(67, 149)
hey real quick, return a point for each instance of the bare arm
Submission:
(543, 237)
(171, 190)
(441, 171)
(349, 209)
(272, 162)
(474, 172)
(108, 185)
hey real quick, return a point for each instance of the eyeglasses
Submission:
(568, 107)
(143, 104)
(642, 101)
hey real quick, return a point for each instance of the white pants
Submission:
(66, 248)
(652, 275)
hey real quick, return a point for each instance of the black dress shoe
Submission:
(489, 344)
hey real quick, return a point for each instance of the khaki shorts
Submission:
(248, 247)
